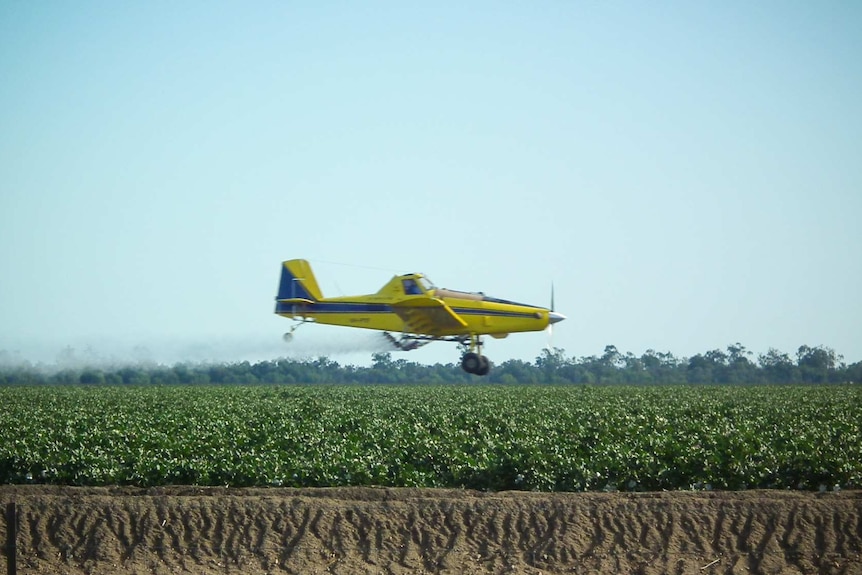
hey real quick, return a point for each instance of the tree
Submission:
(740, 369)
(777, 367)
(549, 363)
(92, 377)
(602, 370)
(134, 375)
(611, 357)
(663, 367)
(817, 364)
(699, 370)
(634, 370)
(381, 360)
(514, 371)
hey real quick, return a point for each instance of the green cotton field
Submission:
(505, 437)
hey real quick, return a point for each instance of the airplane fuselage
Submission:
(480, 315)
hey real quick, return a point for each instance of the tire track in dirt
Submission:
(107, 531)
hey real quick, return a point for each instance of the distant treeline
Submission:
(735, 365)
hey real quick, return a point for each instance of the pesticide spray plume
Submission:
(335, 346)
(117, 353)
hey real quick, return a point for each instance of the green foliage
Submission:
(567, 438)
(819, 365)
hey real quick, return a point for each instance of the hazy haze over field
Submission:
(687, 174)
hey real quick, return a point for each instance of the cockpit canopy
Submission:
(416, 284)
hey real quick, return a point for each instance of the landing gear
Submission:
(473, 361)
(288, 336)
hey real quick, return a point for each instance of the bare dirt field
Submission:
(377, 530)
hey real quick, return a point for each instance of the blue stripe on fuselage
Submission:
(495, 312)
(348, 307)
(334, 307)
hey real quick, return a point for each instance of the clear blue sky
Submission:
(687, 174)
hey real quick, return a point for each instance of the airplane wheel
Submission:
(288, 337)
(471, 362)
(484, 366)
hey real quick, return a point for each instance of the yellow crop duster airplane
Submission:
(411, 306)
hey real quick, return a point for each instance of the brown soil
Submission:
(376, 530)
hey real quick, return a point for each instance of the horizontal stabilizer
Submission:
(296, 300)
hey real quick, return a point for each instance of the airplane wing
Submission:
(428, 315)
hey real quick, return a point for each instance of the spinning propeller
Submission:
(553, 317)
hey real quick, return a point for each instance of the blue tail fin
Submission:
(298, 283)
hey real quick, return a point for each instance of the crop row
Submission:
(537, 438)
